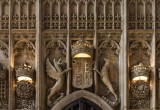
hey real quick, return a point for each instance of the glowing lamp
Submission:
(140, 72)
(82, 55)
(24, 72)
(82, 49)
(21, 78)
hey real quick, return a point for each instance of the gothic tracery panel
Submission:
(139, 57)
(4, 61)
(24, 61)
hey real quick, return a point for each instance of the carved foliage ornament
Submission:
(24, 89)
(140, 44)
(109, 43)
(4, 48)
(26, 47)
(140, 89)
(52, 45)
(3, 72)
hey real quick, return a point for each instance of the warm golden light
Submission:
(142, 78)
(24, 78)
(82, 55)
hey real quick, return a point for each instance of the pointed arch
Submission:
(81, 94)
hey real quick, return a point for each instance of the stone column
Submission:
(11, 75)
(0, 14)
(40, 76)
(153, 62)
(124, 73)
(68, 60)
(95, 43)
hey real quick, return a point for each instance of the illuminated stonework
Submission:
(140, 72)
(82, 48)
(24, 72)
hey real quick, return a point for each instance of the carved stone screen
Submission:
(55, 52)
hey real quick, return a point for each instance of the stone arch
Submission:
(82, 94)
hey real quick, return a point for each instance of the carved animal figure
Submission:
(105, 77)
(55, 72)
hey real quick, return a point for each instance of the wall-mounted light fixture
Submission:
(82, 49)
(24, 72)
(140, 72)
(82, 62)
(140, 81)
(24, 76)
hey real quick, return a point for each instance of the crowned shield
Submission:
(82, 76)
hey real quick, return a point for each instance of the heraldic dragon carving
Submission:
(104, 74)
(55, 72)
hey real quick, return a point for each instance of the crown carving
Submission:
(82, 46)
(140, 70)
(3, 72)
(24, 70)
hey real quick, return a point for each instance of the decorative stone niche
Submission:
(24, 61)
(139, 61)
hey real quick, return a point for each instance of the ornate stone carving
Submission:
(52, 45)
(3, 87)
(141, 103)
(104, 74)
(82, 54)
(55, 72)
(25, 104)
(26, 47)
(82, 76)
(4, 48)
(24, 70)
(140, 51)
(140, 89)
(58, 35)
(82, 18)
(25, 86)
(25, 90)
(109, 43)
(82, 46)
(23, 20)
(3, 72)
(140, 44)
(140, 70)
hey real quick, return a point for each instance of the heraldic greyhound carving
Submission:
(104, 74)
(55, 72)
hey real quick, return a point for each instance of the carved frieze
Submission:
(20, 18)
(138, 17)
(81, 18)
(47, 36)
(109, 36)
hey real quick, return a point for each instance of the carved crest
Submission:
(82, 73)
